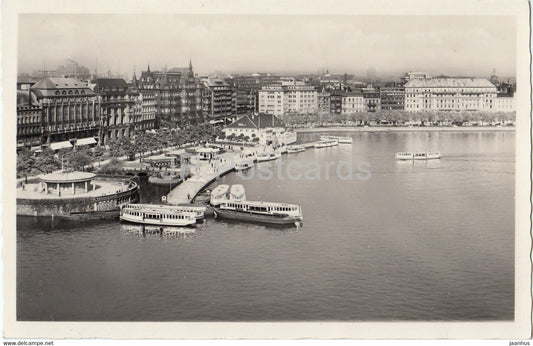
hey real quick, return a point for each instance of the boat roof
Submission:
(219, 188)
(237, 187)
(159, 208)
(263, 203)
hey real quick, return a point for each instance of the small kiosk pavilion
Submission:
(68, 180)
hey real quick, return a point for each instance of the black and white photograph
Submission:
(321, 172)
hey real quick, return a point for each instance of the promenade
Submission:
(203, 173)
(403, 129)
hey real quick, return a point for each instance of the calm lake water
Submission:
(425, 241)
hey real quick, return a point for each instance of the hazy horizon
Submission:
(390, 45)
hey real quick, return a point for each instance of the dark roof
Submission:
(260, 121)
(111, 82)
(243, 122)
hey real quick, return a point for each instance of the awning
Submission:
(36, 149)
(86, 141)
(60, 145)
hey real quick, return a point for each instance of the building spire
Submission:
(190, 65)
(148, 67)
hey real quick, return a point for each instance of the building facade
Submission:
(70, 109)
(323, 102)
(450, 94)
(218, 100)
(392, 98)
(29, 120)
(372, 99)
(353, 102)
(271, 100)
(117, 108)
(290, 96)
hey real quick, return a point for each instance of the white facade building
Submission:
(290, 97)
(353, 103)
(450, 94)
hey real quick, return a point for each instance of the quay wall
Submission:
(77, 205)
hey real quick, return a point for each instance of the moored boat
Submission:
(219, 194)
(159, 215)
(268, 156)
(326, 143)
(244, 164)
(237, 193)
(418, 156)
(341, 140)
(199, 211)
(293, 149)
(263, 212)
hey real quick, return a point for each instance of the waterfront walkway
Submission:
(203, 173)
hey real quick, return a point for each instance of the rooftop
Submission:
(450, 82)
(66, 177)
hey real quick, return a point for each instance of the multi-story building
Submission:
(353, 102)
(139, 123)
(450, 94)
(29, 120)
(372, 99)
(117, 108)
(271, 100)
(300, 98)
(218, 99)
(392, 98)
(290, 96)
(323, 102)
(335, 101)
(174, 95)
(70, 109)
(505, 103)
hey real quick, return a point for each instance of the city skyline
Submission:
(452, 45)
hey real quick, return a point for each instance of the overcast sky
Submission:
(454, 45)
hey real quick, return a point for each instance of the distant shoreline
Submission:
(402, 129)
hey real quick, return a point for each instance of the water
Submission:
(425, 241)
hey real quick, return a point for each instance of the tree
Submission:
(25, 162)
(76, 160)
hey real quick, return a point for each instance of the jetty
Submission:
(205, 173)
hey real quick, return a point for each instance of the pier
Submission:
(206, 172)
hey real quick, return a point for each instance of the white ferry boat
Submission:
(150, 214)
(341, 140)
(199, 211)
(219, 194)
(263, 212)
(268, 156)
(418, 156)
(244, 164)
(293, 149)
(326, 143)
(237, 193)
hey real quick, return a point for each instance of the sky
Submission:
(451, 45)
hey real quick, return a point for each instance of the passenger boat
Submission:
(219, 194)
(268, 156)
(345, 140)
(326, 143)
(153, 214)
(237, 193)
(341, 140)
(244, 164)
(293, 149)
(199, 211)
(263, 212)
(418, 156)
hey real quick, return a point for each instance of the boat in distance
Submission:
(326, 143)
(293, 149)
(244, 164)
(418, 156)
(262, 212)
(158, 215)
(261, 157)
(341, 140)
